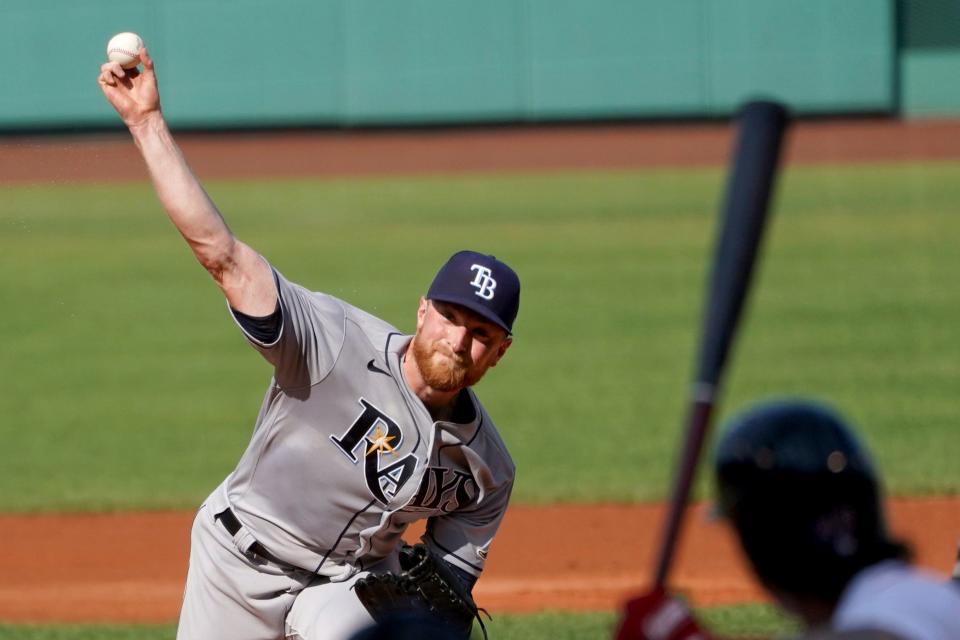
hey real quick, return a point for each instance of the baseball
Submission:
(125, 49)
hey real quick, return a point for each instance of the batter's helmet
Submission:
(803, 496)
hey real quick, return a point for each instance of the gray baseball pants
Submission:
(235, 594)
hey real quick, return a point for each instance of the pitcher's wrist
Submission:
(151, 123)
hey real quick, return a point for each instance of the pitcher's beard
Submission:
(440, 371)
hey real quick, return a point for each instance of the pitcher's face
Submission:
(454, 346)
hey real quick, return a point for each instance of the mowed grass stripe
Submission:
(748, 621)
(126, 384)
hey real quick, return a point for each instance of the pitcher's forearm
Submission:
(244, 277)
(190, 208)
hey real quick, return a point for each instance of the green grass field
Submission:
(127, 386)
(749, 621)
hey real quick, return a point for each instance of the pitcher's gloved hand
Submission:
(426, 584)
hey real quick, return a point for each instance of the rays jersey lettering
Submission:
(445, 490)
(375, 437)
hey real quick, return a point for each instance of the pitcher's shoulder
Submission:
(374, 327)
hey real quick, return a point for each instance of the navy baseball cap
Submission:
(482, 284)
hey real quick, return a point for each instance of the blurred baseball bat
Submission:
(761, 129)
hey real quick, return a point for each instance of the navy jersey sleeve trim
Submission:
(263, 329)
(238, 317)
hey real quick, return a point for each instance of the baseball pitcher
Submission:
(362, 431)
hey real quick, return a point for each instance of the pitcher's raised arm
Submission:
(244, 277)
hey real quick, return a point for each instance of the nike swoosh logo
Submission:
(376, 369)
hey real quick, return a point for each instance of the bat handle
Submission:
(697, 420)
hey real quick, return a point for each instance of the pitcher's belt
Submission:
(232, 525)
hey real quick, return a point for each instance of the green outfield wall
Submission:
(930, 57)
(370, 62)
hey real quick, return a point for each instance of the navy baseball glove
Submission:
(425, 584)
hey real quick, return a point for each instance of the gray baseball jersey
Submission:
(906, 601)
(344, 456)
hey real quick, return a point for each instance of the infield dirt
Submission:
(448, 151)
(131, 567)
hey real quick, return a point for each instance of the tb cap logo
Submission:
(483, 282)
(470, 279)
